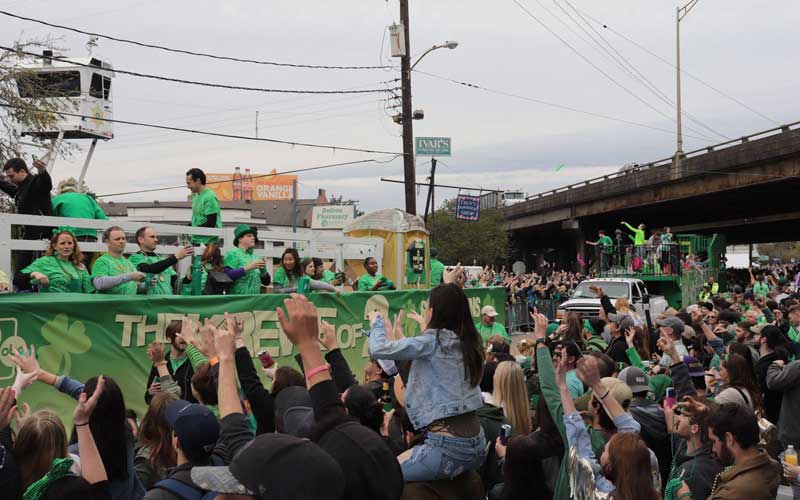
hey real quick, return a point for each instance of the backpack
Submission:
(185, 491)
(596, 343)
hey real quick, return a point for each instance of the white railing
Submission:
(336, 248)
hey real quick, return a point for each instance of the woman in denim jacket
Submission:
(443, 392)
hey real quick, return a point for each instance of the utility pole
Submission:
(680, 14)
(294, 206)
(409, 174)
(679, 150)
(430, 206)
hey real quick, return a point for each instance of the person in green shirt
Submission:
(488, 325)
(61, 269)
(760, 286)
(112, 272)
(160, 273)
(602, 247)
(247, 270)
(72, 203)
(638, 233)
(373, 280)
(324, 275)
(437, 268)
(205, 206)
(794, 323)
(288, 272)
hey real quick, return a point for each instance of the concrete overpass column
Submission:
(578, 240)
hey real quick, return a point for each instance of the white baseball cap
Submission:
(489, 311)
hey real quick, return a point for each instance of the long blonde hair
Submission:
(41, 439)
(511, 395)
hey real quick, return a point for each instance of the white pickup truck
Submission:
(588, 304)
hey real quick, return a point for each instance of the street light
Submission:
(682, 12)
(446, 45)
(407, 118)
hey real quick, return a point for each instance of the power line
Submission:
(203, 132)
(308, 169)
(589, 61)
(634, 73)
(554, 105)
(194, 82)
(683, 71)
(183, 51)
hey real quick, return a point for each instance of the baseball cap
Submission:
(695, 367)
(283, 456)
(756, 329)
(670, 311)
(195, 425)
(293, 409)
(489, 311)
(623, 321)
(571, 346)
(636, 379)
(673, 322)
(688, 332)
(618, 389)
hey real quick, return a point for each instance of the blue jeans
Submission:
(444, 457)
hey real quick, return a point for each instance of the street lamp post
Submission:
(681, 13)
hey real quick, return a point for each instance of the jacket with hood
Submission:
(491, 418)
(698, 469)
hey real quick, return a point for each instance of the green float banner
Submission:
(86, 335)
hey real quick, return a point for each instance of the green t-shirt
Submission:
(367, 282)
(64, 277)
(283, 280)
(488, 331)
(203, 205)
(437, 271)
(793, 335)
(250, 283)
(108, 265)
(605, 241)
(163, 285)
(327, 276)
(761, 288)
(79, 206)
(177, 363)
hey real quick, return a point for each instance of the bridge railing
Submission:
(666, 161)
(641, 260)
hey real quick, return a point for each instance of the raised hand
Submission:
(597, 290)
(588, 371)
(560, 365)
(397, 326)
(26, 360)
(205, 340)
(188, 328)
(540, 321)
(453, 275)
(630, 335)
(301, 324)
(329, 336)
(415, 316)
(86, 405)
(184, 252)
(155, 351)
(224, 344)
(7, 408)
(235, 325)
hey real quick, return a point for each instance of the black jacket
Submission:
(32, 197)
(772, 399)
(698, 470)
(183, 377)
(491, 418)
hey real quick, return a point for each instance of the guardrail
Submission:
(336, 248)
(666, 161)
(518, 316)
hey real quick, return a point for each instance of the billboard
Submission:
(468, 207)
(250, 186)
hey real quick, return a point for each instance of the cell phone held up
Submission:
(266, 360)
(670, 397)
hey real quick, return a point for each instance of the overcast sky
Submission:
(745, 49)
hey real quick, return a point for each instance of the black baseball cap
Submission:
(294, 411)
(195, 425)
(277, 467)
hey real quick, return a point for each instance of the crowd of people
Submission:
(701, 404)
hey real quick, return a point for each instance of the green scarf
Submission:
(60, 468)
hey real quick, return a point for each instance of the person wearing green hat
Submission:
(373, 280)
(247, 270)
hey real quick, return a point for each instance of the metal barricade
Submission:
(518, 318)
(647, 260)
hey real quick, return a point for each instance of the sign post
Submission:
(433, 146)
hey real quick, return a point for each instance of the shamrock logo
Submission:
(65, 339)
